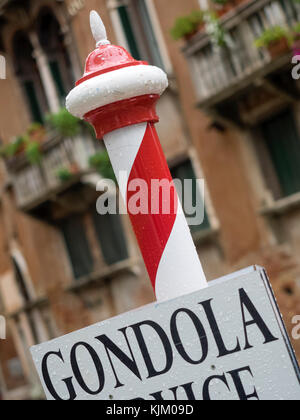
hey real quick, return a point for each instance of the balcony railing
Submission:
(34, 184)
(219, 73)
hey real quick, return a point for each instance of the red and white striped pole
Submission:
(117, 95)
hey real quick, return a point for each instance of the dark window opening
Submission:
(139, 32)
(20, 281)
(282, 142)
(29, 78)
(186, 171)
(129, 34)
(52, 41)
(78, 246)
(110, 234)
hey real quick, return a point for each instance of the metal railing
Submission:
(216, 69)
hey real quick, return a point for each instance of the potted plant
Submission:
(276, 40)
(36, 132)
(101, 162)
(33, 153)
(64, 174)
(64, 123)
(17, 146)
(187, 26)
(222, 6)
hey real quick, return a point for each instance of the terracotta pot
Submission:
(74, 168)
(222, 10)
(21, 150)
(192, 34)
(278, 48)
(38, 135)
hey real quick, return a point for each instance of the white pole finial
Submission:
(98, 29)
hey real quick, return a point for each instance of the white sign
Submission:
(226, 342)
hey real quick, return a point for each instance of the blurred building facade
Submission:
(62, 266)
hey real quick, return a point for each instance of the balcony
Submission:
(225, 77)
(36, 184)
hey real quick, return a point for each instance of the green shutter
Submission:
(283, 143)
(111, 237)
(56, 74)
(129, 34)
(148, 30)
(32, 99)
(77, 246)
(185, 171)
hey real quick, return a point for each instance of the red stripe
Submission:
(152, 230)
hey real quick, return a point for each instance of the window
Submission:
(186, 171)
(282, 143)
(109, 231)
(20, 281)
(138, 29)
(52, 43)
(78, 246)
(28, 75)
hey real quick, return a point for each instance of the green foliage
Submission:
(197, 17)
(64, 123)
(34, 127)
(89, 128)
(64, 174)
(14, 147)
(221, 2)
(33, 153)
(101, 162)
(296, 28)
(187, 25)
(271, 35)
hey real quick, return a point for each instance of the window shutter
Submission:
(77, 246)
(130, 36)
(186, 171)
(110, 234)
(283, 143)
(33, 102)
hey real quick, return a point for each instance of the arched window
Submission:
(28, 75)
(52, 42)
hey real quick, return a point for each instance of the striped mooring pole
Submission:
(118, 95)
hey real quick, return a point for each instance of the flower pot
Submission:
(278, 48)
(231, 4)
(74, 168)
(223, 9)
(38, 135)
(21, 150)
(188, 37)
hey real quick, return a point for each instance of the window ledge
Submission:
(282, 206)
(205, 235)
(98, 277)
